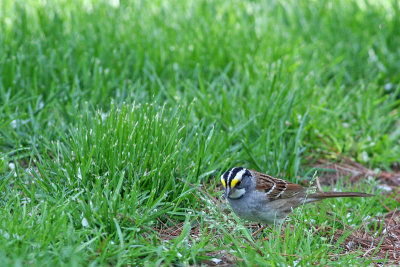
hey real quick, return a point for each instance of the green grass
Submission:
(115, 120)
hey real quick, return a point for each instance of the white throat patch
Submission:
(236, 193)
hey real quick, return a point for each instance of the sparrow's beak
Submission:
(227, 191)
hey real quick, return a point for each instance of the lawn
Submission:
(118, 117)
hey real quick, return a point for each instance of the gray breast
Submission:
(258, 208)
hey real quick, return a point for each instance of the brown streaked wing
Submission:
(276, 188)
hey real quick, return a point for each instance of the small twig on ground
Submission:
(383, 204)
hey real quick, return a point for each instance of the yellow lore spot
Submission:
(234, 182)
(223, 182)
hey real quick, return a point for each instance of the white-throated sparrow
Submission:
(265, 199)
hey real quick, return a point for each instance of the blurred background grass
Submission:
(112, 113)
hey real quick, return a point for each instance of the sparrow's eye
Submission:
(235, 182)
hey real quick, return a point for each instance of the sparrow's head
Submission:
(236, 182)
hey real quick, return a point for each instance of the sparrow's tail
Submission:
(323, 195)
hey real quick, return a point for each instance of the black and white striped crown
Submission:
(235, 173)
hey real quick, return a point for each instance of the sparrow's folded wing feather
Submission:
(276, 188)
